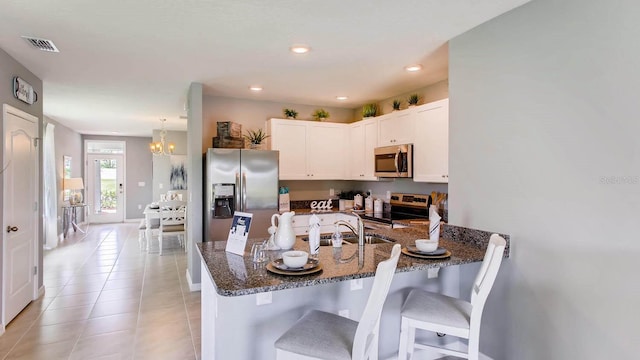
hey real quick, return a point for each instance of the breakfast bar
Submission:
(246, 306)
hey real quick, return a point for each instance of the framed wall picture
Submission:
(66, 174)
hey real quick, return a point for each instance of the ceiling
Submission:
(123, 64)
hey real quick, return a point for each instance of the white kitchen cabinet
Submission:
(309, 150)
(326, 149)
(431, 145)
(396, 128)
(363, 139)
(290, 138)
(300, 223)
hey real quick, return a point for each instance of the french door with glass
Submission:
(105, 188)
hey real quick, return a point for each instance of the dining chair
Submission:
(173, 216)
(323, 335)
(448, 315)
(142, 232)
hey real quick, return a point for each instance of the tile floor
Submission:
(106, 299)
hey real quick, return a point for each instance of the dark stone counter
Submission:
(235, 275)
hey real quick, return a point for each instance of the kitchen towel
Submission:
(314, 235)
(434, 223)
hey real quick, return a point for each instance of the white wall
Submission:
(544, 146)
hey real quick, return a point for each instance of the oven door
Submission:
(394, 161)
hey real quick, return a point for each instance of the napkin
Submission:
(434, 223)
(314, 235)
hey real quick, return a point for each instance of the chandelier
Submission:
(161, 147)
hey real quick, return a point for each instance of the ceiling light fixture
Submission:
(341, 98)
(300, 49)
(158, 147)
(413, 68)
(255, 88)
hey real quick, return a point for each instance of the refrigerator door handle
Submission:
(244, 191)
(237, 193)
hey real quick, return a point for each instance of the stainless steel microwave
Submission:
(394, 161)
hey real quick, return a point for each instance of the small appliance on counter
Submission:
(403, 206)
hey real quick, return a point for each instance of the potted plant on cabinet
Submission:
(256, 137)
(396, 104)
(321, 114)
(413, 99)
(369, 110)
(290, 113)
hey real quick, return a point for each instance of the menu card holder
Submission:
(239, 232)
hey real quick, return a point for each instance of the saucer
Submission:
(279, 264)
(421, 256)
(295, 272)
(438, 251)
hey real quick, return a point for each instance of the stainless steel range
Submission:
(403, 207)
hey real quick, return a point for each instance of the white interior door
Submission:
(20, 211)
(105, 188)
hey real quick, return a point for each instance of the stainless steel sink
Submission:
(369, 239)
(325, 239)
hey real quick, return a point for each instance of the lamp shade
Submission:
(73, 184)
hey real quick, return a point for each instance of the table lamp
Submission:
(74, 184)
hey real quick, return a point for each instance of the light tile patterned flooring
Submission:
(106, 299)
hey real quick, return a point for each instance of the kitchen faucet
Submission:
(359, 233)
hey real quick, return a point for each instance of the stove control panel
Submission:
(411, 200)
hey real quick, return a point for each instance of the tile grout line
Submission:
(102, 289)
(186, 311)
(57, 294)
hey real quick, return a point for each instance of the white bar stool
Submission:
(322, 335)
(447, 315)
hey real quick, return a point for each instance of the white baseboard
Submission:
(133, 220)
(193, 287)
(40, 292)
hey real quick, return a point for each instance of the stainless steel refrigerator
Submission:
(240, 180)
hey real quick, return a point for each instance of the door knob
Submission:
(11, 228)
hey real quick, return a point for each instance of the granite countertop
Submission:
(235, 275)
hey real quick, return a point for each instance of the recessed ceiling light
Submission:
(413, 68)
(341, 97)
(300, 49)
(115, 132)
(255, 88)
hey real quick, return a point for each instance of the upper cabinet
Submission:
(309, 150)
(396, 128)
(363, 139)
(431, 145)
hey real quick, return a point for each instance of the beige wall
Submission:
(427, 94)
(252, 114)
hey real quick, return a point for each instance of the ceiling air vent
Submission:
(42, 44)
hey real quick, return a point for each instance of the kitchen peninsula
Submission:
(245, 308)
